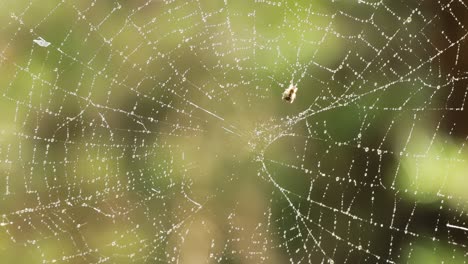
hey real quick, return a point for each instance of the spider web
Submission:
(154, 131)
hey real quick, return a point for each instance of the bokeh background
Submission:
(154, 132)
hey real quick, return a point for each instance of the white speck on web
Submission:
(41, 42)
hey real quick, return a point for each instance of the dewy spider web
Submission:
(154, 131)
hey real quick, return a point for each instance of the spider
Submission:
(290, 93)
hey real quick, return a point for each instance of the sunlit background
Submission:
(155, 132)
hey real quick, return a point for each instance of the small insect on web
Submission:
(290, 93)
(41, 42)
